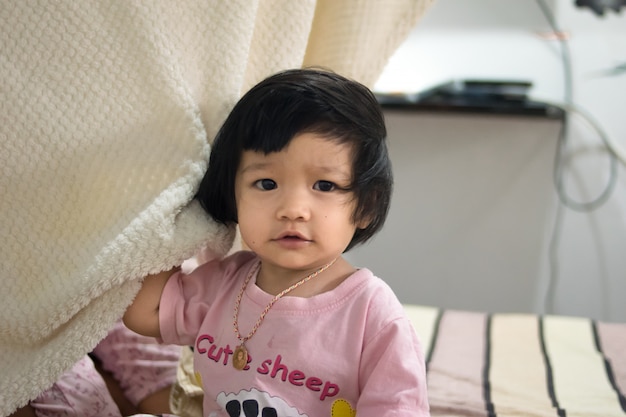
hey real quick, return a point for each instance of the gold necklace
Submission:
(240, 355)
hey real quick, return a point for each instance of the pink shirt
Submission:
(352, 348)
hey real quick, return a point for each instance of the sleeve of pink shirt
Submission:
(394, 371)
(186, 298)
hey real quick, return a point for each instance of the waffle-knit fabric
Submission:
(108, 110)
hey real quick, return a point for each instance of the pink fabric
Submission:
(140, 364)
(612, 340)
(352, 348)
(79, 392)
(455, 377)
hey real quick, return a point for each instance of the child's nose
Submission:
(294, 206)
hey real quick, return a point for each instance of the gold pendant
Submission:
(240, 357)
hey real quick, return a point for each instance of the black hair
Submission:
(298, 101)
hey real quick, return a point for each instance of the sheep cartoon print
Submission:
(256, 403)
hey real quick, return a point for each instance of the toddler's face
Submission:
(293, 206)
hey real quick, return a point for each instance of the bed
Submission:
(482, 364)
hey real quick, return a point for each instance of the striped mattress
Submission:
(482, 364)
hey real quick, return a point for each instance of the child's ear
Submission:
(363, 223)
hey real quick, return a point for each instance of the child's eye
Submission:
(324, 186)
(265, 184)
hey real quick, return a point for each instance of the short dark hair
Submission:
(298, 101)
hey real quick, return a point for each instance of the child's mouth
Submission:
(292, 239)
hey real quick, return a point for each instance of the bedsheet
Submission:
(482, 364)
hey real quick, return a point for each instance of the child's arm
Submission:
(142, 316)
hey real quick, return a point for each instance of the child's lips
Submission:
(291, 236)
(292, 239)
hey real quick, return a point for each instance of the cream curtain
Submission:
(108, 109)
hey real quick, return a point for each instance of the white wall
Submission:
(482, 203)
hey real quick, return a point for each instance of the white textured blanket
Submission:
(108, 108)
